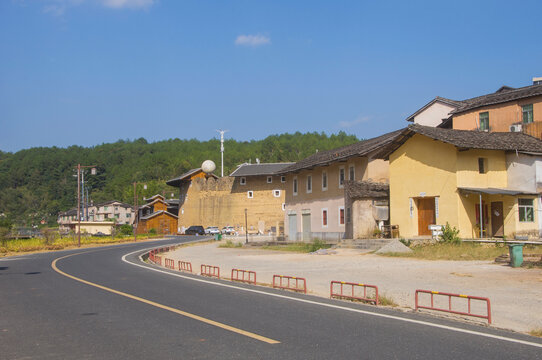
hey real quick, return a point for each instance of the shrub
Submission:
(48, 236)
(152, 231)
(126, 229)
(407, 243)
(316, 245)
(450, 234)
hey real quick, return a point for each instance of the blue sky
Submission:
(91, 71)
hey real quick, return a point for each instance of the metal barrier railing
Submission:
(290, 283)
(169, 263)
(209, 270)
(449, 309)
(243, 276)
(350, 290)
(185, 266)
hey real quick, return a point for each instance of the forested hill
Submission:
(38, 183)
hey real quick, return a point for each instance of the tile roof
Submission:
(178, 180)
(362, 148)
(469, 139)
(158, 213)
(366, 189)
(259, 169)
(504, 94)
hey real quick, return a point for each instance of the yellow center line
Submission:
(165, 307)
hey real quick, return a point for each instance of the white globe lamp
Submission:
(208, 166)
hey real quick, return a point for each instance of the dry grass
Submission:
(231, 244)
(463, 251)
(301, 247)
(536, 332)
(386, 300)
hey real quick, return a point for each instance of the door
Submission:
(292, 227)
(426, 215)
(306, 226)
(497, 219)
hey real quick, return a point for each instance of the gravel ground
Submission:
(515, 294)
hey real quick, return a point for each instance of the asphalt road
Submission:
(127, 309)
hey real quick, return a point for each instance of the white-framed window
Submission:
(324, 180)
(341, 215)
(269, 179)
(283, 179)
(243, 180)
(283, 206)
(324, 217)
(351, 172)
(294, 185)
(250, 194)
(276, 193)
(526, 210)
(309, 184)
(341, 177)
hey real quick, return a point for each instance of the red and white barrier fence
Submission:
(290, 283)
(209, 270)
(169, 263)
(353, 291)
(449, 309)
(243, 276)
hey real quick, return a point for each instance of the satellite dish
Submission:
(208, 166)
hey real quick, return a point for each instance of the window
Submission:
(484, 121)
(341, 177)
(283, 206)
(283, 179)
(128, 215)
(526, 210)
(351, 173)
(250, 194)
(269, 179)
(117, 216)
(341, 215)
(324, 181)
(309, 184)
(276, 193)
(105, 208)
(243, 181)
(482, 165)
(348, 215)
(527, 111)
(295, 185)
(324, 217)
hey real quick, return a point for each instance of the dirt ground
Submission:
(515, 293)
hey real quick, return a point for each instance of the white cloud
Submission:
(358, 120)
(130, 4)
(252, 40)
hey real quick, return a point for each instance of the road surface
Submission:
(103, 303)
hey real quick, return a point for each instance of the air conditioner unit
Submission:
(515, 128)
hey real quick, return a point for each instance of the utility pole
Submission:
(246, 227)
(222, 150)
(136, 212)
(93, 172)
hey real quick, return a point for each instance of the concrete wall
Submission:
(433, 115)
(222, 202)
(93, 227)
(501, 116)
(522, 172)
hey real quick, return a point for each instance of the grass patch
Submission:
(450, 251)
(301, 247)
(385, 300)
(59, 243)
(231, 244)
(536, 332)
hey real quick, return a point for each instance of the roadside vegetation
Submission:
(231, 244)
(51, 240)
(301, 247)
(451, 251)
(536, 332)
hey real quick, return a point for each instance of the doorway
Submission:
(292, 227)
(426, 215)
(497, 219)
(306, 226)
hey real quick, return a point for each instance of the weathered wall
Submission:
(222, 202)
(433, 115)
(163, 224)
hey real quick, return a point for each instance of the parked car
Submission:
(212, 230)
(195, 230)
(228, 230)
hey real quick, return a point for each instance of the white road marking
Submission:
(419, 322)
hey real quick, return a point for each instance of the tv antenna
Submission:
(222, 150)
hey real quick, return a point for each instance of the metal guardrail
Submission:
(210, 270)
(449, 309)
(349, 290)
(169, 263)
(243, 276)
(290, 283)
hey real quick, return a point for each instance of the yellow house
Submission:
(485, 184)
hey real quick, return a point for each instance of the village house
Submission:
(157, 214)
(110, 211)
(252, 190)
(507, 109)
(315, 196)
(484, 184)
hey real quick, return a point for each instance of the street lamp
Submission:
(92, 172)
(136, 210)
